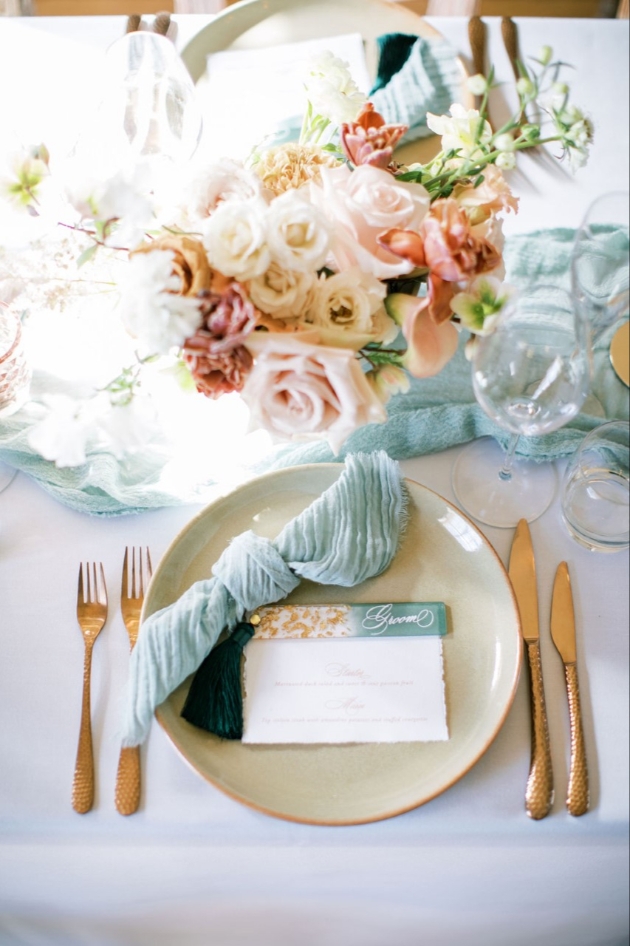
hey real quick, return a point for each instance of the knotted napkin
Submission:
(350, 533)
(415, 76)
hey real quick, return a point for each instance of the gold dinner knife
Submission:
(563, 635)
(539, 791)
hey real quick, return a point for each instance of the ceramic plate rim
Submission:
(383, 815)
(239, 10)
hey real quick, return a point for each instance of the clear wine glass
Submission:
(149, 111)
(531, 376)
(600, 262)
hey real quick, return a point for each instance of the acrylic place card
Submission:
(346, 673)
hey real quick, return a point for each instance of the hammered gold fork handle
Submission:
(578, 791)
(539, 791)
(83, 784)
(128, 781)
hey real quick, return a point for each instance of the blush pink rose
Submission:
(362, 204)
(303, 391)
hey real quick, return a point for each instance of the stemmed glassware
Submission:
(600, 262)
(531, 376)
(149, 111)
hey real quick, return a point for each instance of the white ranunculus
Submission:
(281, 292)
(217, 183)
(331, 90)
(160, 319)
(348, 308)
(235, 238)
(297, 233)
(463, 131)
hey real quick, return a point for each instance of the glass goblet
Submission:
(531, 376)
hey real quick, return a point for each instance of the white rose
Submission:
(348, 308)
(222, 181)
(363, 204)
(300, 391)
(235, 239)
(297, 233)
(282, 293)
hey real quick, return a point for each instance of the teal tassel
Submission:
(215, 698)
(394, 50)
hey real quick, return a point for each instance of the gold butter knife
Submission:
(563, 635)
(522, 570)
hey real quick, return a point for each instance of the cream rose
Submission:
(282, 293)
(362, 205)
(348, 308)
(235, 239)
(297, 233)
(303, 391)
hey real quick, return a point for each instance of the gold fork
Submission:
(131, 600)
(91, 615)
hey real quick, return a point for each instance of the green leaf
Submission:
(87, 255)
(478, 180)
(414, 176)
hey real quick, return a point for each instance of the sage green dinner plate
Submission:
(443, 557)
(253, 24)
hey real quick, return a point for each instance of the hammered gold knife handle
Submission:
(128, 781)
(577, 793)
(539, 791)
(83, 784)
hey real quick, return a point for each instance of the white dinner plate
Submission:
(443, 557)
(253, 24)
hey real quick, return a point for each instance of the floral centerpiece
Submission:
(316, 277)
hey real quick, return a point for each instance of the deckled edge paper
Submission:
(312, 682)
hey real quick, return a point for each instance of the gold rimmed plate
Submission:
(620, 353)
(253, 24)
(443, 557)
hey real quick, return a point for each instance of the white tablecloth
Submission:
(193, 866)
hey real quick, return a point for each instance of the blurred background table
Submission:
(194, 867)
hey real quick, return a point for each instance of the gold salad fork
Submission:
(91, 615)
(134, 584)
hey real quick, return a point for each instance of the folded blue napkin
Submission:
(350, 533)
(415, 76)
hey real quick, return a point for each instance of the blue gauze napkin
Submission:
(435, 414)
(415, 76)
(350, 533)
